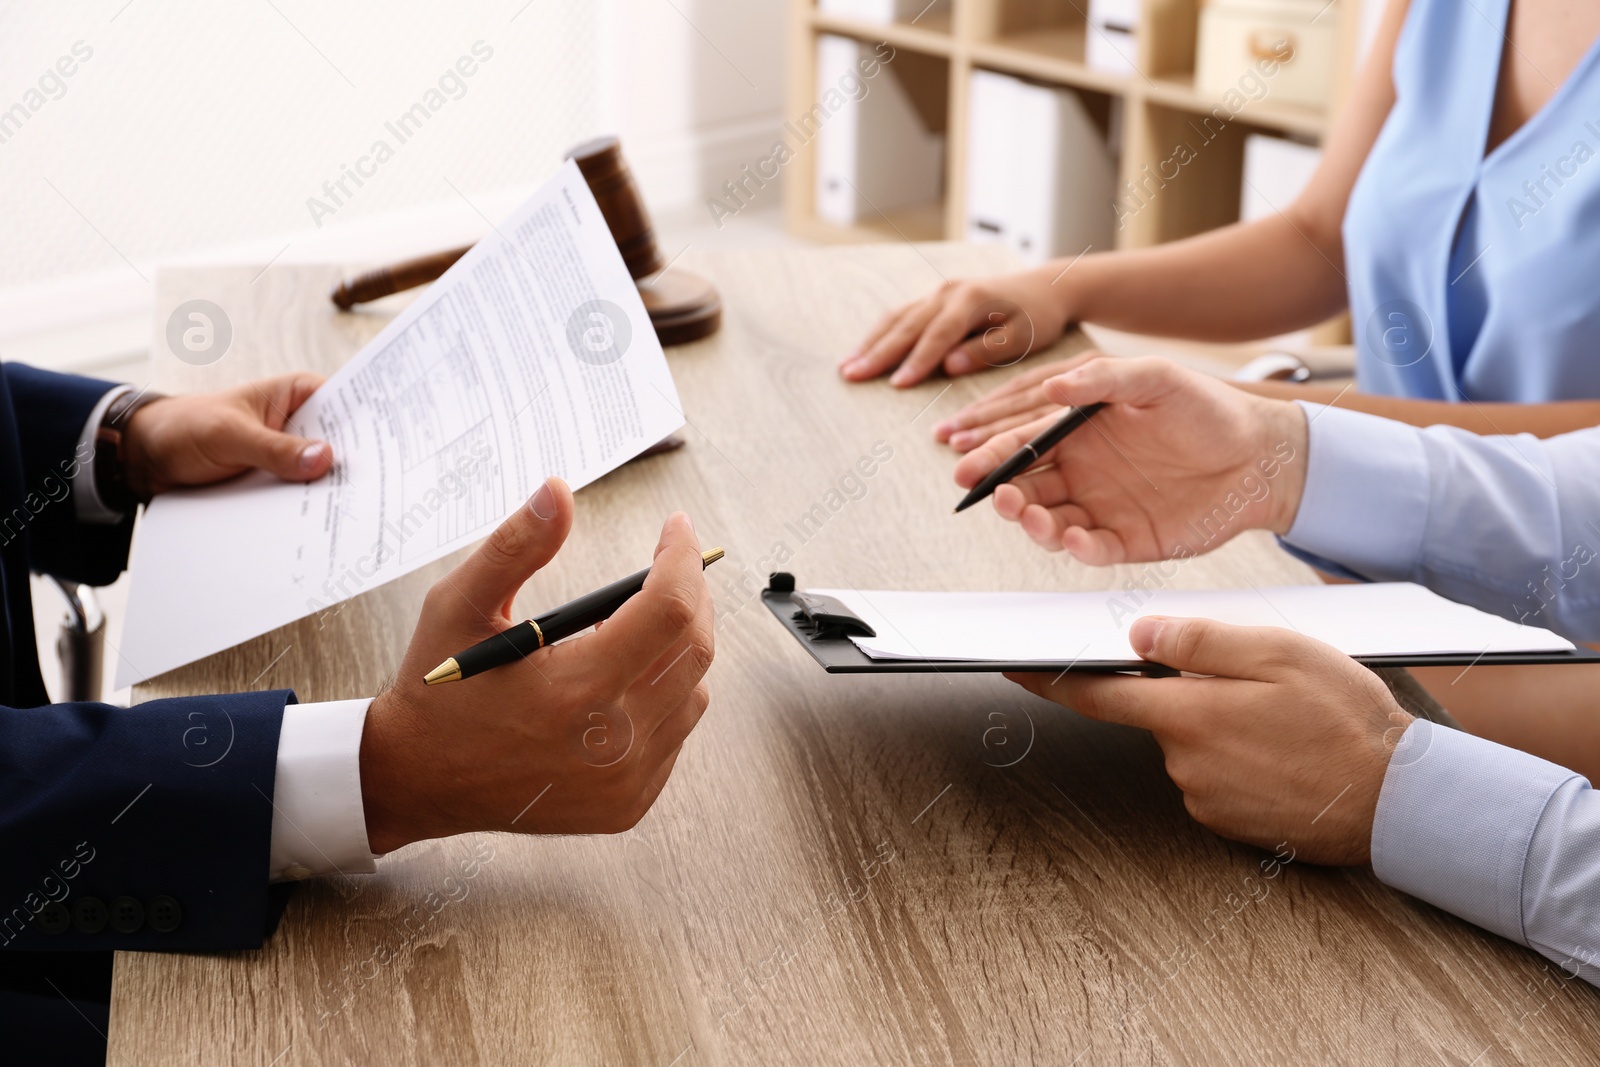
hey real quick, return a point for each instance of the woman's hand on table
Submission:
(963, 326)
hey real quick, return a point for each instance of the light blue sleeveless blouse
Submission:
(1473, 277)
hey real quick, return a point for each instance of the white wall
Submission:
(696, 89)
(208, 130)
(196, 123)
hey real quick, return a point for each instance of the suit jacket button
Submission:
(127, 915)
(89, 915)
(55, 918)
(165, 915)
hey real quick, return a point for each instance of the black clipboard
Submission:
(823, 627)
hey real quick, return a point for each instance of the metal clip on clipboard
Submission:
(820, 617)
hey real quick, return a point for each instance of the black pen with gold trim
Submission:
(526, 638)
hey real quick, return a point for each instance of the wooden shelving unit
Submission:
(1045, 40)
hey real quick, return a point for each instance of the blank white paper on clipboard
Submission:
(1371, 620)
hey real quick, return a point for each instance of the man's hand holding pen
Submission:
(1169, 449)
(579, 738)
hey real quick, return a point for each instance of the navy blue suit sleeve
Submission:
(144, 828)
(50, 410)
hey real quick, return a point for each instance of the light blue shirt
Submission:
(1472, 276)
(1510, 525)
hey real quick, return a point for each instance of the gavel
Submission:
(683, 307)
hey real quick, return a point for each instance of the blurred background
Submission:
(194, 131)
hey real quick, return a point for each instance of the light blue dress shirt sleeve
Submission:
(1503, 839)
(1508, 524)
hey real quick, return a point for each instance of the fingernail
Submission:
(963, 441)
(1145, 633)
(543, 503)
(946, 427)
(960, 363)
(900, 377)
(311, 456)
(688, 519)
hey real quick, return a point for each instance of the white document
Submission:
(1112, 43)
(1276, 172)
(990, 143)
(532, 356)
(1380, 619)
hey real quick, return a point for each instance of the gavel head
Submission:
(611, 181)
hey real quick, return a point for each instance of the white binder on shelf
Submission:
(1040, 174)
(1276, 169)
(875, 155)
(1112, 42)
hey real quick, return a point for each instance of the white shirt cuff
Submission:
(1367, 493)
(319, 825)
(86, 498)
(1456, 818)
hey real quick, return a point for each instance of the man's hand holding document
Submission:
(532, 357)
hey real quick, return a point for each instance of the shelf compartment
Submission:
(1178, 91)
(1048, 56)
(882, 171)
(1184, 177)
(930, 34)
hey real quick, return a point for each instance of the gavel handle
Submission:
(395, 278)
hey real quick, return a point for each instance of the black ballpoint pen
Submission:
(1028, 455)
(526, 638)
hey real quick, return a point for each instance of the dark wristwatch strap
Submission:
(110, 473)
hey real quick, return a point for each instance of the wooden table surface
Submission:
(843, 870)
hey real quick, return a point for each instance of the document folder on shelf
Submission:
(825, 627)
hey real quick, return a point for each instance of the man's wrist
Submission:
(123, 476)
(392, 784)
(1368, 782)
(379, 780)
(1287, 441)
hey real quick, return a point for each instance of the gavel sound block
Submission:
(683, 307)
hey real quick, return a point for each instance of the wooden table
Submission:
(843, 869)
